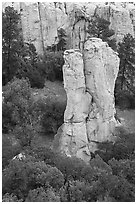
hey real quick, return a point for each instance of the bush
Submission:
(124, 99)
(27, 174)
(81, 192)
(20, 121)
(44, 175)
(10, 198)
(17, 96)
(35, 76)
(8, 122)
(124, 168)
(123, 148)
(10, 148)
(115, 187)
(24, 134)
(52, 65)
(42, 195)
(50, 113)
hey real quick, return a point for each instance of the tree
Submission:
(19, 58)
(125, 83)
(99, 27)
(10, 43)
(61, 45)
(126, 74)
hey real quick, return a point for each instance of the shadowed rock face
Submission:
(89, 81)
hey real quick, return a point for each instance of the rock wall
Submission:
(89, 81)
(41, 20)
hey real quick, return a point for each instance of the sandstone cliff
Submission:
(41, 20)
(89, 81)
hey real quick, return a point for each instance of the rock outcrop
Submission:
(101, 65)
(41, 20)
(89, 81)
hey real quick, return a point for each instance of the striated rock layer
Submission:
(89, 81)
(41, 20)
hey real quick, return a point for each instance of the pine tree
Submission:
(126, 75)
(99, 28)
(61, 45)
(19, 58)
(10, 35)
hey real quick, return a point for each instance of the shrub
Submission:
(8, 122)
(80, 192)
(124, 99)
(123, 191)
(10, 198)
(17, 96)
(35, 76)
(53, 63)
(54, 178)
(24, 134)
(20, 121)
(70, 167)
(115, 187)
(27, 174)
(123, 148)
(42, 195)
(124, 168)
(50, 114)
(10, 148)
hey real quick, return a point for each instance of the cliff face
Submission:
(89, 81)
(41, 20)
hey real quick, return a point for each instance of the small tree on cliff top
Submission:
(99, 27)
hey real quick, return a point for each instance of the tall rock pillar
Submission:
(89, 81)
(101, 65)
(72, 135)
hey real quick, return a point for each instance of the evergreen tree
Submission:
(99, 28)
(126, 76)
(61, 45)
(10, 43)
(19, 58)
(62, 40)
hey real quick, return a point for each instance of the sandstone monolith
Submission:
(73, 136)
(101, 66)
(89, 81)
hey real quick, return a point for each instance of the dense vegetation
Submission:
(38, 173)
(125, 84)
(99, 28)
(20, 59)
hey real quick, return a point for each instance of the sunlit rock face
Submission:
(73, 138)
(41, 20)
(101, 66)
(89, 81)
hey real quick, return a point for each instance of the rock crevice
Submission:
(89, 81)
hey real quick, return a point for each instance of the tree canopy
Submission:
(99, 27)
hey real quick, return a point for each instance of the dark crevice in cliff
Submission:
(65, 7)
(41, 29)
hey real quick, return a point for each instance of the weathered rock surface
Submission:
(73, 138)
(89, 81)
(41, 20)
(101, 65)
